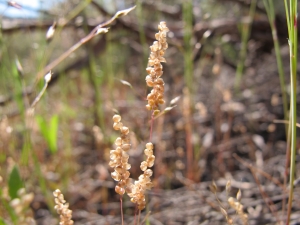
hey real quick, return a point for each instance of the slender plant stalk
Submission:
(188, 76)
(135, 213)
(142, 34)
(246, 28)
(121, 206)
(291, 17)
(150, 140)
(188, 51)
(30, 112)
(188, 132)
(287, 164)
(269, 5)
(60, 25)
(109, 66)
(94, 82)
(98, 112)
(139, 217)
(97, 30)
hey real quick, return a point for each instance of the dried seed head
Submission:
(143, 166)
(116, 118)
(150, 160)
(213, 187)
(48, 77)
(148, 152)
(223, 211)
(119, 157)
(154, 68)
(228, 187)
(126, 147)
(115, 176)
(117, 126)
(239, 195)
(118, 141)
(62, 208)
(125, 130)
(149, 146)
(50, 32)
(156, 112)
(148, 173)
(120, 190)
(231, 201)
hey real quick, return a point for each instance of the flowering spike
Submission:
(154, 68)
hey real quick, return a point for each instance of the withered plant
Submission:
(119, 157)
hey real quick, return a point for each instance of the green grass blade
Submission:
(14, 182)
(246, 28)
(49, 131)
(269, 6)
(188, 51)
(291, 17)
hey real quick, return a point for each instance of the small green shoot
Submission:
(14, 182)
(49, 131)
(2, 222)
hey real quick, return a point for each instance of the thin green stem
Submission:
(287, 13)
(94, 82)
(142, 34)
(269, 6)
(188, 50)
(246, 28)
(291, 16)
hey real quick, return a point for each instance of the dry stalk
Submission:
(188, 132)
(97, 30)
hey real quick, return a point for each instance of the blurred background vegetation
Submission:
(221, 111)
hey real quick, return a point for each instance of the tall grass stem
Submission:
(245, 32)
(291, 17)
(269, 6)
(188, 50)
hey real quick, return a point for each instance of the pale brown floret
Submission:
(154, 69)
(235, 204)
(62, 208)
(119, 161)
(119, 157)
(144, 182)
